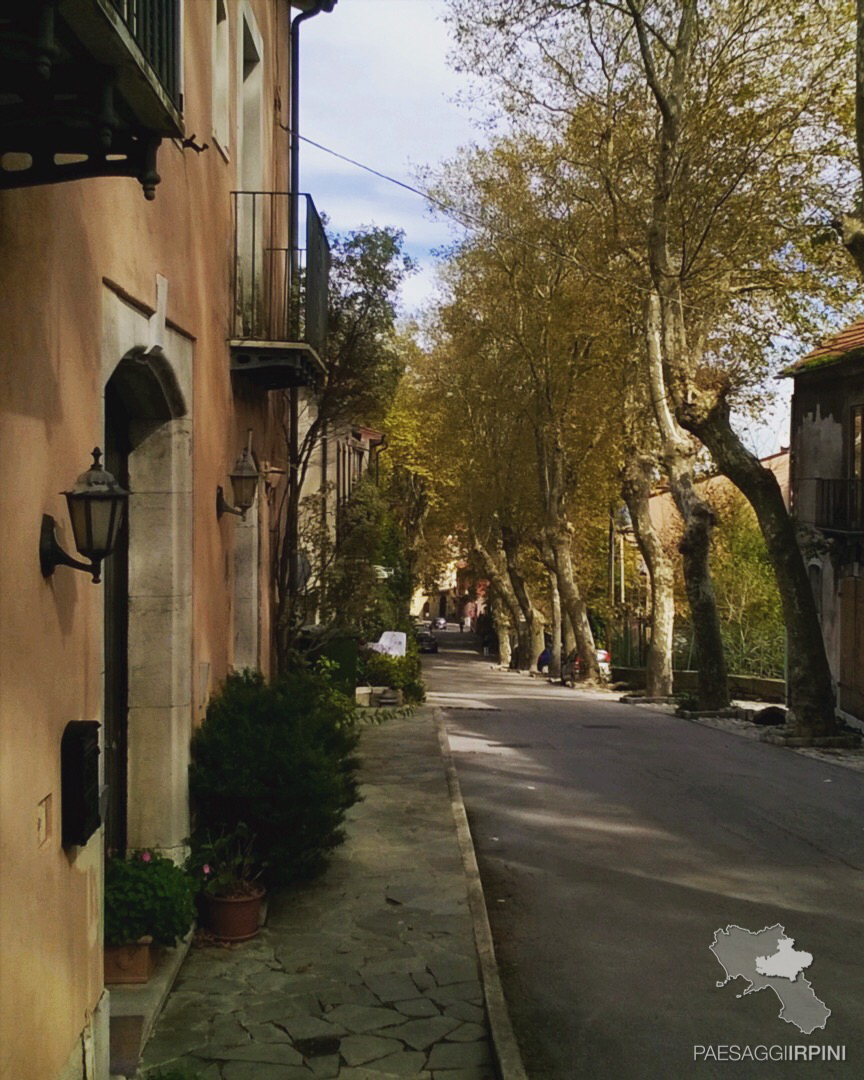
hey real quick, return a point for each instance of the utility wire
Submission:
(450, 211)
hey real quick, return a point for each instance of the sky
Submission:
(375, 86)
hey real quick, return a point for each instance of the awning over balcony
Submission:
(87, 88)
(281, 268)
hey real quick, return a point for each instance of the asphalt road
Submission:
(613, 842)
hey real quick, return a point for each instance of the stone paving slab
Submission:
(369, 973)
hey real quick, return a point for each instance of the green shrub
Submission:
(278, 756)
(146, 895)
(400, 672)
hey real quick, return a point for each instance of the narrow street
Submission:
(614, 840)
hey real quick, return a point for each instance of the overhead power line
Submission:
(450, 210)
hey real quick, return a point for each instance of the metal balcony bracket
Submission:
(277, 365)
(79, 98)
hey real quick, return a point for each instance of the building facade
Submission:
(161, 284)
(827, 481)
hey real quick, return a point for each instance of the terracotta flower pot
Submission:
(234, 918)
(128, 964)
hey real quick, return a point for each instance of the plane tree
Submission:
(471, 461)
(719, 132)
(544, 330)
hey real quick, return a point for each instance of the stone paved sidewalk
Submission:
(371, 971)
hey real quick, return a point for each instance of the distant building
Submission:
(665, 517)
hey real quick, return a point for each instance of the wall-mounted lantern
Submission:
(244, 483)
(97, 505)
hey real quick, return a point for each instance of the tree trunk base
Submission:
(645, 699)
(728, 712)
(790, 735)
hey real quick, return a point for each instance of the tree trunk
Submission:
(809, 684)
(575, 607)
(677, 453)
(636, 490)
(290, 606)
(502, 630)
(667, 348)
(500, 579)
(285, 554)
(555, 647)
(556, 539)
(531, 644)
(695, 549)
(569, 635)
(559, 616)
(531, 639)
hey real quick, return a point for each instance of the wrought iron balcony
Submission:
(154, 26)
(840, 506)
(87, 88)
(280, 276)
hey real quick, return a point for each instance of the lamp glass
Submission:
(96, 520)
(243, 488)
(96, 507)
(244, 482)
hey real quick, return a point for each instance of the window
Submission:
(856, 472)
(221, 75)
(251, 107)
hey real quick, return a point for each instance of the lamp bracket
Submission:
(224, 507)
(51, 555)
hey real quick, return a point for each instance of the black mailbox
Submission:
(79, 782)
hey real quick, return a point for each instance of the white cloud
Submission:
(375, 87)
(374, 77)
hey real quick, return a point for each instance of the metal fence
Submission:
(749, 649)
(280, 284)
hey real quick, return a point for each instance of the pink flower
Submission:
(206, 868)
(146, 856)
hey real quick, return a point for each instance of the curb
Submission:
(504, 1045)
(147, 1001)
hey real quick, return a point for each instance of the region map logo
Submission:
(768, 959)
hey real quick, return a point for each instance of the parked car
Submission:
(440, 623)
(570, 666)
(426, 641)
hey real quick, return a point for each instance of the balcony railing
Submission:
(88, 88)
(281, 267)
(840, 505)
(154, 25)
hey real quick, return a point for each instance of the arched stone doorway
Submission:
(148, 605)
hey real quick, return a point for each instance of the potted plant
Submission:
(280, 756)
(228, 869)
(149, 901)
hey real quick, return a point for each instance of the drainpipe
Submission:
(293, 247)
(319, 6)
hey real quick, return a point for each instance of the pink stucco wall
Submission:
(68, 252)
